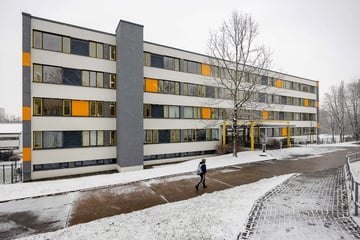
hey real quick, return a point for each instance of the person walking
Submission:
(202, 172)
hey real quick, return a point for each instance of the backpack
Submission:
(199, 170)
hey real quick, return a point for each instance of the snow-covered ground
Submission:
(218, 215)
(41, 188)
(355, 167)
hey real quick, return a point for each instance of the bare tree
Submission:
(335, 105)
(328, 124)
(353, 106)
(241, 62)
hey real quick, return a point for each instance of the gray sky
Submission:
(315, 39)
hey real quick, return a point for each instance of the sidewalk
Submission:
(307, 206)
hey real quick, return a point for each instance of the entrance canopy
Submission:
(284, 125)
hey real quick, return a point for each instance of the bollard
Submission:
(356, 198)
(352, 186)
(12, 173)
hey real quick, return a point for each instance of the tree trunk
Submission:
(235, 133)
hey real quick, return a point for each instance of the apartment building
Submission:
(96, 101)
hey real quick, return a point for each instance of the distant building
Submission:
(10, 139)
(2, 115)
(96, 101)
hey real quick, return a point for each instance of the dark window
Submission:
(38, 167)
(52, 107)
(100, 162)
(78, 163)
(72, 77)
(64, 165)
(79, 47)
(157, 111)
(50, 166)
(281, 116)
(164, 136)
(264, 80)
(262, 97)
(89, 163)
(312, 89)
(72, 139)
(210, 92)
(157, 61)
(201, 135)
(283, 100)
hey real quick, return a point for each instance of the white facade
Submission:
(167, 142)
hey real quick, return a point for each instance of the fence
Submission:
(353, 184)
(10, 172)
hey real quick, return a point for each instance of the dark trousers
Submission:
(202, 180)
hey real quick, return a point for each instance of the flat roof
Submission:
(8, 128)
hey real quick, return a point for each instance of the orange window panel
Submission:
(284, 132)
(306, 102)
(318, 125)
(205, 69)
(80, 108)
(278, 83)
(26, 154)
(265, 115)
(317, 104)
(26, 59)
(26, 114)
(151, 85)
(206, 113)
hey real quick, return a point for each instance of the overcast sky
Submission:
(315, 39)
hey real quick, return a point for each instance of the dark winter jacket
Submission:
(203, 168)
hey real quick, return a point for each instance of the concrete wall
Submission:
(129, 94)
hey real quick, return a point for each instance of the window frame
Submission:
(35, 66)
(40, 39)
(87, 82)
(147, 111)
(112, 81)
(40, 112)
(92, 49)
(112, 109)
(84, 133)
(100, 47)
(64, 39)
(112, 52)
(113, 138)
(66, 101)
(100, 138)
(99, 79)
(37, 135)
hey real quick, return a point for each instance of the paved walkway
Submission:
(307, 206)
